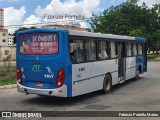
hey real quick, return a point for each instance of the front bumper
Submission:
(59, 92)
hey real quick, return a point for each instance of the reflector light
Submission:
(60, 78)
(19, 77)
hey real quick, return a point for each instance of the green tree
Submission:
(8, 60)
(156, 41)
(136, 33)
(21, 29)
(130, 19)
(119, 19)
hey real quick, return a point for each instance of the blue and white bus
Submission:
(65, 63)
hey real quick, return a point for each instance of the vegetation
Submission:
(20, 29)
(153, 56)
(7, 62)
(7, 78)
(131, 19)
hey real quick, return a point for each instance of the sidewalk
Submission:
(4, 87)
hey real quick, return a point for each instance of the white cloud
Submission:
(112, 1)
(70, 7)
(149, 2)
(13, 16)
(32, 20)
(83, 25)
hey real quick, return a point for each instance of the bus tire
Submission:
(107, 84)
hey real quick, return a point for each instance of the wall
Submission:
(1, 18)
(10, 40)
(3, 36)
(11, 50)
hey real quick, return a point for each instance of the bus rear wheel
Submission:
(107, 84)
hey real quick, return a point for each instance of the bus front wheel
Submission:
(107, 84)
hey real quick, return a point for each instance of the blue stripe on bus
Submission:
(93, 77)
(138, 38)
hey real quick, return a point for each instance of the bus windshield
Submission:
(39, 43)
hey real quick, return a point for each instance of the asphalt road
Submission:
(134, 95)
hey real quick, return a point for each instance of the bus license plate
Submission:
(39, 84)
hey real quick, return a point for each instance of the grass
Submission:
(153, 56)
(7, 78)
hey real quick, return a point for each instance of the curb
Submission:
(8, 86)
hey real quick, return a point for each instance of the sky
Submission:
(20, 12)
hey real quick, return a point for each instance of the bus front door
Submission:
(121, 61)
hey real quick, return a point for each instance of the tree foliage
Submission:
(8, 60)
(20, 29)
(130, 19)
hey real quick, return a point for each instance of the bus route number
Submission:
(82, 69)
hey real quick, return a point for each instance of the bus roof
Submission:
(100, 35)
(85, 34)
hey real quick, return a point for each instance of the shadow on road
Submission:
(82, 99)
(119, 86)
(58, 101)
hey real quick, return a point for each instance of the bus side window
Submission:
(76, 51)
(143, 52)
(79, 51)
(90, 50)
(114, 48)
(71, 50)
(139, 48)
(119, 50)
(102, 50)
(134, 49)
(109, 49)
(128, 49)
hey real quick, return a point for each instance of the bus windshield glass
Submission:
(39, 43)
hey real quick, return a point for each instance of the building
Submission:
(6, 45)
(1, 18)
(67, 27)
(73, 24)
(10, 40)
(6, 41)
(3, 37)
(3, 32)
